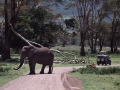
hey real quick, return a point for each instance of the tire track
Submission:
(70, 83)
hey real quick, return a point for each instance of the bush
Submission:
(100, 71)
(4, 70)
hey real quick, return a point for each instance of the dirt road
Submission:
(43, 81)
(59, 80)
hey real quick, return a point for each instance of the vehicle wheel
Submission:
(105, 63)
(98, 64)
(109, 63)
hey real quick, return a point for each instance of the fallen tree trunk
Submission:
(29, 42)
(11, 27)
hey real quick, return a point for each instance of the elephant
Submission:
(35, 55)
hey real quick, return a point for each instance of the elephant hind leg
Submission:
(42, 70)
(50, 69)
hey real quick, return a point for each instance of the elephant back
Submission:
(45, 56)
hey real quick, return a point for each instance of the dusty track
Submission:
(43, 81)
(70, 82)
(59, 80)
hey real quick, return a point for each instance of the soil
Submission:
(59, 80)
(70, 82)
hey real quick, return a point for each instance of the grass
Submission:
(7, 73)
(92, 81)
(76, 50)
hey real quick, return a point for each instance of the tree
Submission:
(112, 9)
(11, 10)
(96, 31)
(85, 12)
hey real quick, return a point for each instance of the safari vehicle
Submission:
(103, 59)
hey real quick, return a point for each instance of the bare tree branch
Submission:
(29, 42)
(11, 27)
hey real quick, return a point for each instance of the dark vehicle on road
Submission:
(103, 59)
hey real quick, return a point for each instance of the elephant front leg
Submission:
(42, 70)
(50, 69)
(32, 68)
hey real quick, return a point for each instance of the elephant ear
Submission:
(30, 50)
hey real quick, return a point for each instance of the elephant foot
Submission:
(31, 73)
(49, 72)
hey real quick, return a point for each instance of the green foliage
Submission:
(117, 82)
(99, 78)
(7, 73)
(101, 71)
(39, 15)
(70, 23)
(42, 25)
(4, 71)
(25, 31)
(36, 25)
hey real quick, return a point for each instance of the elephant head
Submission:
(27, 51)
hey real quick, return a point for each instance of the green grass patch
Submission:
(99, 79)
(115, 58)
(100, 71)
(7, 73)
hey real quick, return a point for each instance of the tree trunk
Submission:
(95, 43)
(100, 44)
(6, 54)
(113, 35)
(2, 38)
(112, 38)
(82, 49)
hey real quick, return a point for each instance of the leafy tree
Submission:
(86, 11)
(70, 23)
(112, 9)
(43, 26)
(96, 31)
(11, 10)
(36, 26)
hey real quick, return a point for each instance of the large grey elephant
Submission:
(35, 55)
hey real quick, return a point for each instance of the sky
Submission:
(60, 8)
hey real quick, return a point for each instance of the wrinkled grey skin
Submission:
(36, 55)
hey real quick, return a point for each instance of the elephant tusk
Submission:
(18, 67)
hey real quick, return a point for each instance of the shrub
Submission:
(4, 70)
(100, 71)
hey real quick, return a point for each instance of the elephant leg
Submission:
(50, 69)
(42, 70)
(32, 68)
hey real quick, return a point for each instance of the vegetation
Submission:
(7, 73)
(99, 79)
(73, 49)
(97, 24)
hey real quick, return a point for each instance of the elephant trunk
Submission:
(21, 64)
